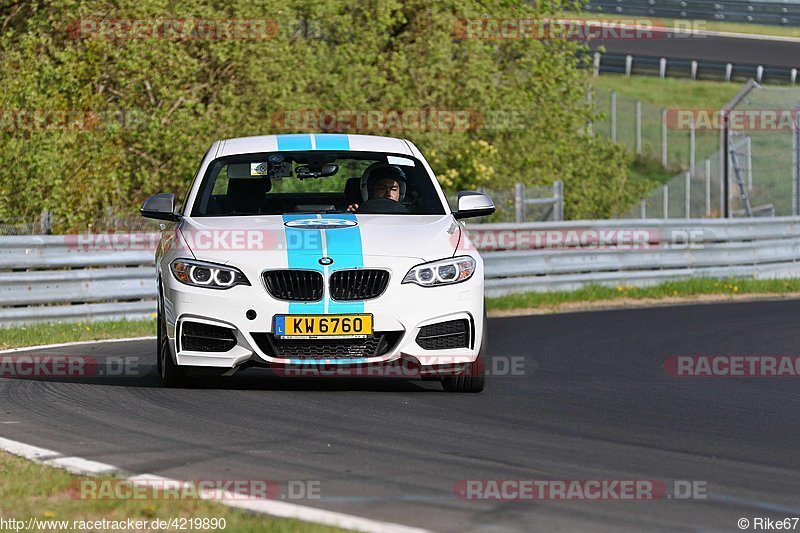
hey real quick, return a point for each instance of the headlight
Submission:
(209, 275)
(442, 272)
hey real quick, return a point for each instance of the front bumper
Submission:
(400, 312)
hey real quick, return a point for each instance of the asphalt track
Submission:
(707, 48)
(594, 403)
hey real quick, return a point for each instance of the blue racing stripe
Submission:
(294, 141)
(345, 248)
(304, 247)
(332, 141)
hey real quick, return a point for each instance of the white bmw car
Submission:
(324, 250)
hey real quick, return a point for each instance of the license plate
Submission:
(327, 326)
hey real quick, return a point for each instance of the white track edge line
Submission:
(80, 466)
(76, 343)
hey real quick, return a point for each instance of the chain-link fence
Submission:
(769, 118)
(656, 132)
(738, 161)
(47, 223)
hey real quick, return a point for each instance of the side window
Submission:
(221, 185)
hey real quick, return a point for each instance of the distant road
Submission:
(715, 47)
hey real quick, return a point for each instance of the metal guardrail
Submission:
(678, 67)
(571, 255)
(753, 11)
(55, 278)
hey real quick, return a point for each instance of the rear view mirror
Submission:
(160, 207)
(473, 204)
(306, 171)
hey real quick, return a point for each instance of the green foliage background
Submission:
(162, 102)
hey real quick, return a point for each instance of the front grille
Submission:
(444, 335)
(197, 337)
(373, 346)
(294, 285)
(361, 284)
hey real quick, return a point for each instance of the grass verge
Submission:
(674, 93)
(37, 334)
(30, 490)
(682, 291)
(544, 301)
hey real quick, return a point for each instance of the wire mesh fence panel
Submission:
(697, 198)
(650, 130)
(766, 161)
(48, 223)
(745, 160)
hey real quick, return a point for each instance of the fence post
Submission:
(688, 197)
(558, 205)
(748, 148)
(708, 186)
(519, 202)
(613, 116)
(638, 126)
(664, 162)
(723, 166)
(46, 222)
(692, 137)
(795, 164)
(665, 201)
(596, 64)
(643, 209)
(628, 65)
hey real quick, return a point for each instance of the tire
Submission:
(473, 378)
(171, 375)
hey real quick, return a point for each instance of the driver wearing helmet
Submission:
(381, 182)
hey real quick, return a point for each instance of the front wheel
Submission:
(171, 374)
(473, 378)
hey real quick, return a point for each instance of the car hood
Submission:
(295, 239)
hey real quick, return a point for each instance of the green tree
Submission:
(154, 105)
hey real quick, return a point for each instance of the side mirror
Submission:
(473, 204)
(160, 207)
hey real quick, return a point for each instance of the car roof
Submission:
(312, 141)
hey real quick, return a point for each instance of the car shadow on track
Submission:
(146, 375)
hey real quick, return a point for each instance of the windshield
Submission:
(277, 183)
